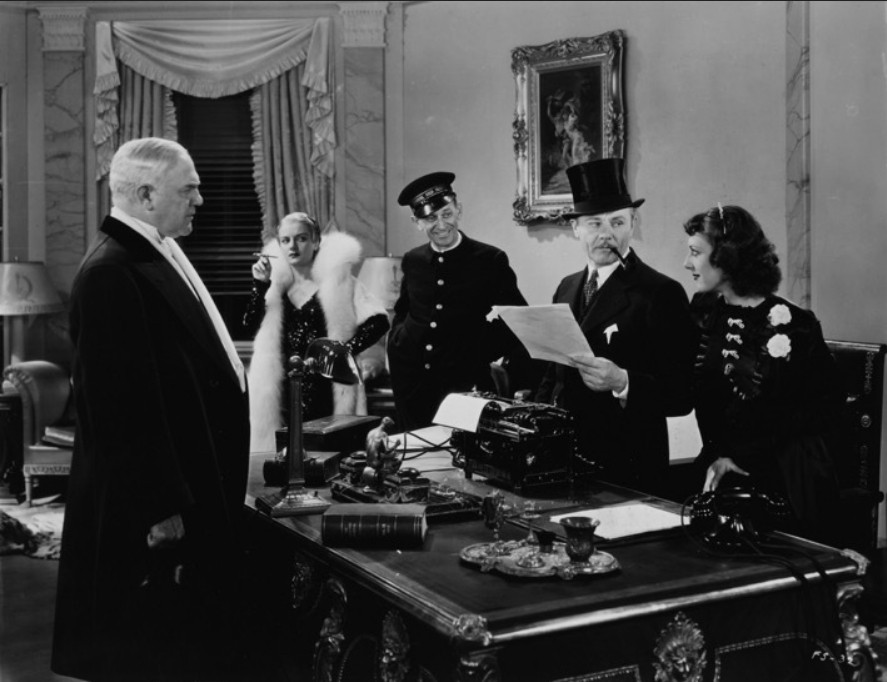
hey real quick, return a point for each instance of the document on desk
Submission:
(549, 332)
(622, 520)
(461, 411)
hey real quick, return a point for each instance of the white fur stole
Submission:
(346, 303)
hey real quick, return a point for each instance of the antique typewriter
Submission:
(518, 445)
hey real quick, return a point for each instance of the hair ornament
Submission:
(723, 220)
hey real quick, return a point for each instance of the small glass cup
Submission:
(545, 539)
(580, 537)
(529, 513)
(493, 510)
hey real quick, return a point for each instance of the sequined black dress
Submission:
(301, 326)
(767, 394)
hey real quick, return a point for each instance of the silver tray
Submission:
(526, 561)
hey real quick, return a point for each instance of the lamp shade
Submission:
(382, 276)
(25, 289)
(332, 360)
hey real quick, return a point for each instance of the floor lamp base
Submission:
(292, 501)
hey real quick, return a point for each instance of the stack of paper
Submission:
(622, 520)
(548, 332)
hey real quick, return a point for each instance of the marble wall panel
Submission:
(64, 165)
(365, 148)
(797, 153)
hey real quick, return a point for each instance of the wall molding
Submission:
(364, 23)
(63, 28)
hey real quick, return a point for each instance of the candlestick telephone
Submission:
(731, 517)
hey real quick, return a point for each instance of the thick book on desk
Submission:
(374, 525)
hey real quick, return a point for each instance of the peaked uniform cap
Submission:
(428, 194)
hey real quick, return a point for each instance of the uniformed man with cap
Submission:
(440, 340)
(638, 325)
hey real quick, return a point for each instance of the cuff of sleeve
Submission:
(623, 394)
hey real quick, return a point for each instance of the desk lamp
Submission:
(331, 360)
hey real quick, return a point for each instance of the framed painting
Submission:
(568, 110)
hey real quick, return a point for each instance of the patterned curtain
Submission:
(286, 62)
(286, 179)
(146, 110)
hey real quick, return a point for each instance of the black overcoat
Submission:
(162, 429)
(440, 340)
(640, 319)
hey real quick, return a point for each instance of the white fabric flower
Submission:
(779, 314)
(779, 346)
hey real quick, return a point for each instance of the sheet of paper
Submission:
(620, 521)
(549, 332)
(461, 411)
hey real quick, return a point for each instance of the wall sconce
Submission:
(331, 360)
(25, 289)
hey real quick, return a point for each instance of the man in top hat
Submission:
(638, 325)
(440, 340)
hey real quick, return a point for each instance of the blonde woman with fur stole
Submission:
(303, 290)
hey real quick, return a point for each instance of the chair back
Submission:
(45, 390)
(858, 454)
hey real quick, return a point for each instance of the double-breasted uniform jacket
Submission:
(440, 340)
(162, 430)
(639, 319)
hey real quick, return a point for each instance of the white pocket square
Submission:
(609, 331)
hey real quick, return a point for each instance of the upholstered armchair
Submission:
(47, 418)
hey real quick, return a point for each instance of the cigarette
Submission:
(264, 255)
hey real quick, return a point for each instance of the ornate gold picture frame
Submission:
(568, 110)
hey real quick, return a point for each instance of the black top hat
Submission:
(599, 187)
(428, 194)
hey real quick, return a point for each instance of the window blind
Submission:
(228, 227)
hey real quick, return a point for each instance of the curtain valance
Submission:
(215, 59)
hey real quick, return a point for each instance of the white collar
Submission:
(604, 271)
(151, 233)
(435, 247)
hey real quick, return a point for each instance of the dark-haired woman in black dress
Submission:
(767, 393)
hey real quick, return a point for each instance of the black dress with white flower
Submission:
(767, 394)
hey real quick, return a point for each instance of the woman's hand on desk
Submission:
(716, 471)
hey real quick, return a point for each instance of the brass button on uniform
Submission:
(439, 306)
(434, 325)
(440, 282)
(429, 347)
(427, 365)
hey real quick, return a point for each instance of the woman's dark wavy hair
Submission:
(739, 248)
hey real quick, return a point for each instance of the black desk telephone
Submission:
(730, 518)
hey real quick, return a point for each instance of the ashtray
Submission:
(516, 558)
(598, 563)
(480, 553)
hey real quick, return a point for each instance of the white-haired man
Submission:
(152, 558)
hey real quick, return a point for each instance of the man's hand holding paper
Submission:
(549, 332)
(600, 374)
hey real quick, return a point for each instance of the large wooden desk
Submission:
(674, 612)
